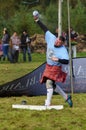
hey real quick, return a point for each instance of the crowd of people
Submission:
(11, 46)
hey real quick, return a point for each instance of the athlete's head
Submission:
(59, 41)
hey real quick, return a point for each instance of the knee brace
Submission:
(49, 84)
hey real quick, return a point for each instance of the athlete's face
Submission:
(58, 43)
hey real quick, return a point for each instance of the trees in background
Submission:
(18, 16)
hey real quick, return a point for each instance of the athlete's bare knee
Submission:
(49, 84)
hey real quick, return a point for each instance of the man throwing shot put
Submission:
(56, 55)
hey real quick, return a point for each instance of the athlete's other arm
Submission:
(62, 61)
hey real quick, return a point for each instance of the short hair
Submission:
(62, 38)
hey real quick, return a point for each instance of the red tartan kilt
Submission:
(54, 73)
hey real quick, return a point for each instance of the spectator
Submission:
(1, 51)
(5, 44)
(25, 45)
(14, 47)
(73, 36)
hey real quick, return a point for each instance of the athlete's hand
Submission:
(36, 15)
(54, 59)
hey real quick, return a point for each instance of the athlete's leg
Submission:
(49, 86)
(64, 95)
(61, 92)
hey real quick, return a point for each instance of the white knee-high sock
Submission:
(49, 96)
(61, 92)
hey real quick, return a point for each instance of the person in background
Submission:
(1, 51)
(56, 56)
(14, 47)
(25, 45)
(5, 44)
(73, 36)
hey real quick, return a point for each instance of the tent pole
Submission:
(59, 18)
(70, 49)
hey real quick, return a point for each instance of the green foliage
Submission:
(23, 20)
(52, 17)
(2, 25)
(78, 17)
(44, 4)
(20, 19)
(64, 16)
(16, 16)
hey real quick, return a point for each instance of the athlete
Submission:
(56, 55)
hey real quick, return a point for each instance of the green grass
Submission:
(66, 119)
(10, 71)
(14, 119)
(81, 54)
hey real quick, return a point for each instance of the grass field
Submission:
(10, 71)
(66, 119)
(14, 119)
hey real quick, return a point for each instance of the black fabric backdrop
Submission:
(29, 84)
